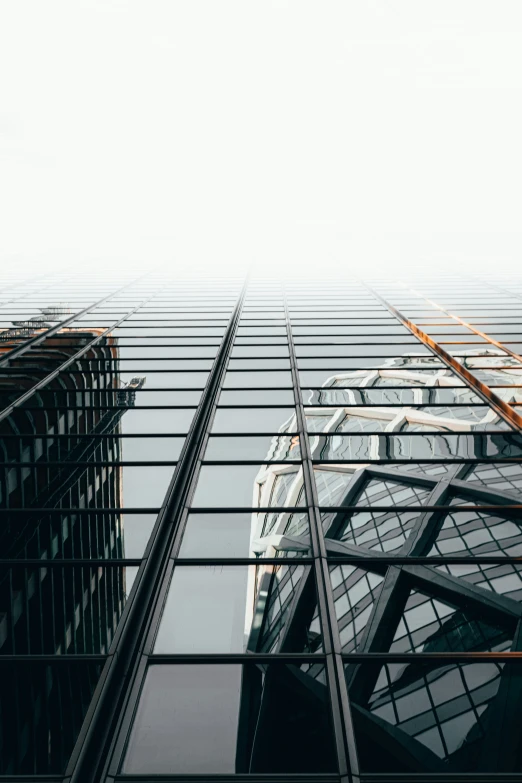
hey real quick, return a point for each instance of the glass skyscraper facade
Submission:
(262, 528)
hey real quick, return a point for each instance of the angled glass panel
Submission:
(170, 380)
(228, 718)
(161, 421)
(250, 486)
(250, 420)
(256, 535)
(257, 397)
(234, 609)
(353, 352)
(259, 351)
(432, 718)
(253, 447)
(431, 624)
(259, 364)
(257, 380)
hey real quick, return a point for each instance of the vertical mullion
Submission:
(342, 721)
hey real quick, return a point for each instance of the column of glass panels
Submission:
(236, 681)
(93, 422)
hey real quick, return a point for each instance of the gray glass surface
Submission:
(136, 530)
(140, 351)
(228, 718)
(257, 397)
(259, 364)
(170, 380)
(258, 351)
(157, 421)
(253, 380)
(350, 352)
(254, 420)
(144, 486)
(244, 485)
(246, 535)
(170, 397)
(187, 720)
(237, 608)
(206, 610)
(255, 447)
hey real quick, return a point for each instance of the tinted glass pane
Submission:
(206, 719)
(441, 713)
(253, 380)
(257, 397)
(268, 447)
(249, 486)
(233, 609)
(42, 710)
(245, 535)
(254, 420)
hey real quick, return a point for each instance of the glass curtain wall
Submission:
(280, 525)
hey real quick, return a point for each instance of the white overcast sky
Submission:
(358, 134)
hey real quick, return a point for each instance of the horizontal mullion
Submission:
(419, 460)
(67, 407)
(442, 657)
(57, 658)
(160, 659)
(84, 511)
(388, 560)
(94, 435)
(248, 509)
(63, 562)
(240, 561)
(252, 461)
(515, 507)
(309, 387)
(23, 371)
(83, 464)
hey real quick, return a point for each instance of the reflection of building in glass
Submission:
(51, 454)
(421, 715)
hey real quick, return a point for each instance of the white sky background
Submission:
(353, 134)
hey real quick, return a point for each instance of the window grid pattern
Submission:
(368, 434)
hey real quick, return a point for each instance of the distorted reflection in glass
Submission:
(426, 717)
(233, 609)
(231, 718)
